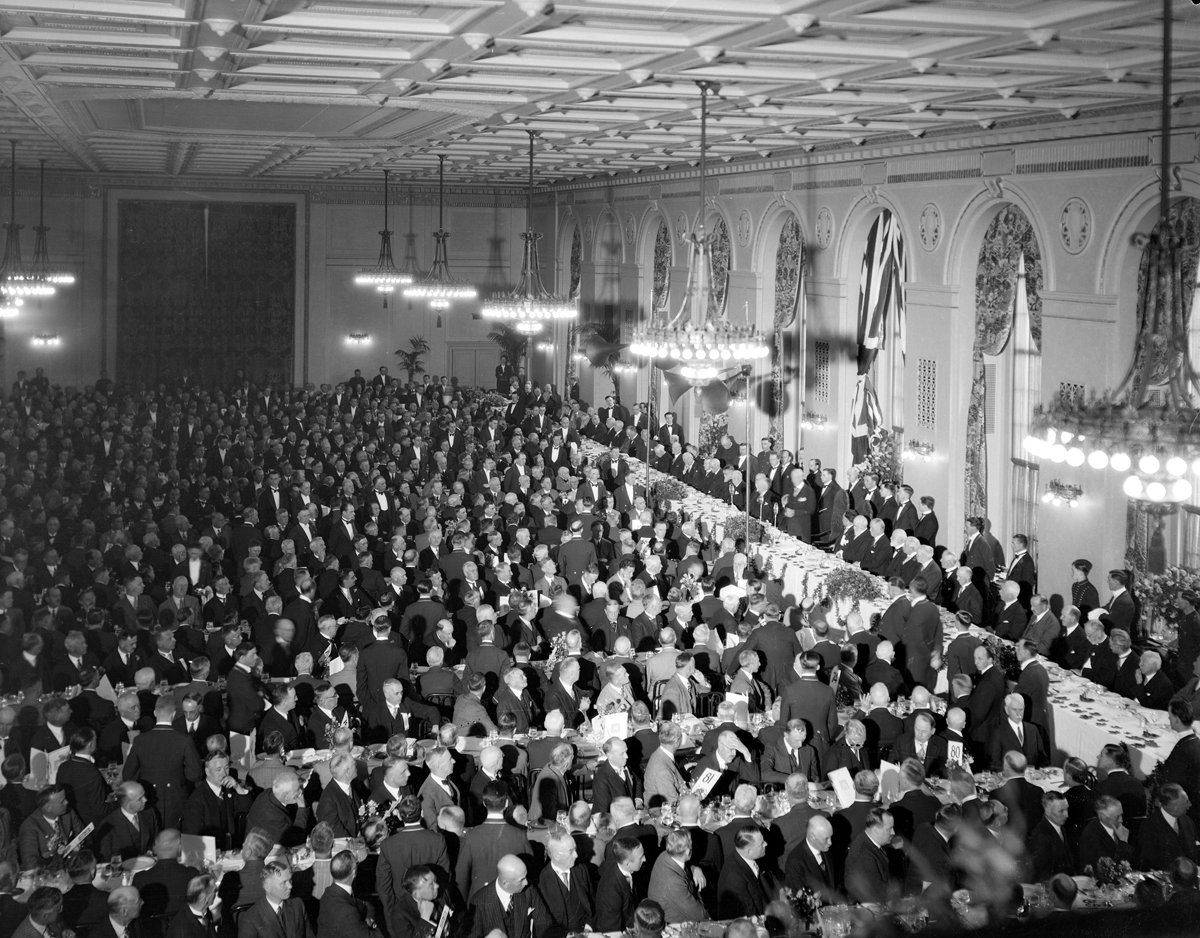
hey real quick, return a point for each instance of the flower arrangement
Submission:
(689, 588)
(668, 489)
(558, 647)
(1005, 655)
(849, 583)
(804, 903)
(883, 458)
(1158, 591)
(389, 813)
(1110, 872)
(735, 527)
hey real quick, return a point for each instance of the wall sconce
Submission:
(545, 346)
(918, 450)
(579, 356)
(624, 368)
(1059, 492)
(45, 340)
(10, 306)
(813, 421)
(358, 338)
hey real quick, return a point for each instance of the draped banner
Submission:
(880, 302)
(206, 288)
(789, 295)
(1009, 271)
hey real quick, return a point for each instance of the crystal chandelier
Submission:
(40, 268)
(1150, 423)
(16, 281)
(384, 276)
(699, 345)
(438, 286)
(530, 304)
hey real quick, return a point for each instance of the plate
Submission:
(137, 864)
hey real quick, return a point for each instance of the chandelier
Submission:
(1149, 426)
(384, 276)
(438, 286)
(16, 280)
(40, 268)
(530, 304)
(700, 350)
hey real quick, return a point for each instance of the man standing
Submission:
(165, 759)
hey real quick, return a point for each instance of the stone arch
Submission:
(608, 243)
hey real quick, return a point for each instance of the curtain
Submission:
(206, 288)
(1009, 269)
(880, 306)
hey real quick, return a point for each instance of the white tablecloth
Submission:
(1080, 728)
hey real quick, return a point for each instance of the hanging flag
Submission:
(881, 290)
(866, 416)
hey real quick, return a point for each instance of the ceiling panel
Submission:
(298, 89)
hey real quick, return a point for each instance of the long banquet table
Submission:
(1081, 727)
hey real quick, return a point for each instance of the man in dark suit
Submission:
(53, 822)
(566, 887)
(921, 635)
(1011, 618)
(621, 886)
(280, 810)
(810, 866)
(280, 717)
(87, 791)
(777, 647)
(341, 913)
(1022, 798)
(1168, 832)
(411, 845)
(882, 671)
(921, 744)
(482, 846)
(850, 752)
(124, 906)
(1120, 607)
(194, 919)
(977, 555)
(340, 799)
(1013, 733)
(195, 723)
(810, 700)
(1100, 662)
(164, 886)
(1047, 844)
(790, 756)
(986, 701)
(867, 875)
(916, 805)
(217, 805)
(613, 778)
(1182, 766)
(379, 661)
(883, 727)
(1072, 648)
(520, 913)
(740, 891)
(165, 759)
(1105, 835)
(130, 830)
(278, 914)
(673, 881)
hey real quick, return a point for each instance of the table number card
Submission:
(704, 784)
(889, 782)
(954, 752)
(843, 786)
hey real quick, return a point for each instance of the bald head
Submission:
(511, 874)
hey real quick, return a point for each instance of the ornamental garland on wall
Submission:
(662, 268)
(576, 263)
(789, 268)
(720, 262)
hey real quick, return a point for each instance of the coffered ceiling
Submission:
(304, 90)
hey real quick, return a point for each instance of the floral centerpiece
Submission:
(558, 647)
(1158, 592)
(846, 587)
(1110, 872)
(882, 458)
(371, 810)
(1005, 655)
(735, 527)
(668, 489)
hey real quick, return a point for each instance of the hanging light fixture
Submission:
(15, 280)
(701, 346)
(40, 268)
(384, 276)
(409, 265)
(1153, 441)
(530, 304)
(438, 286)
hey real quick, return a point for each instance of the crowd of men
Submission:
(199, 584)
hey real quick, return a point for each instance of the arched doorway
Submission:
(1001, 482)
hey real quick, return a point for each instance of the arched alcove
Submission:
(1001, 482)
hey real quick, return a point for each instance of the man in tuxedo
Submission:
(1182, 766)
(1100, 663)
(1072, 647)
(278, 912)
(508, 904)
(218, 804)
(566, 887)
(1120, 607)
